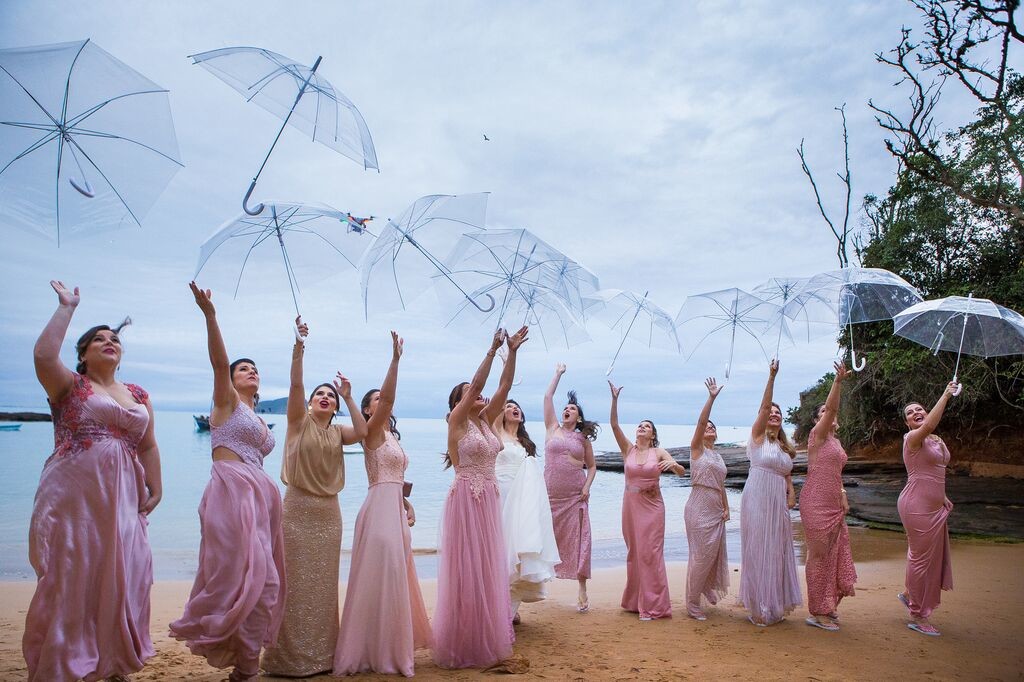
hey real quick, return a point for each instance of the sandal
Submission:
(903, 599)
(582, 605)
(697, 615)
(834, 616)
(754, 622)
(516, 620)
(924, 629)
(830, 627)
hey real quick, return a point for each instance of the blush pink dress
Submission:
(830, 571)
(569, 514)
(89, 616)
(237, 601)
(384, 620)
(643, 528)
(707, 567)
(924, 510)
(473, 618)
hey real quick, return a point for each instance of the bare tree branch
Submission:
(843, 235)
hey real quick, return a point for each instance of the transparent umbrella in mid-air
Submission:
(410, 250)
(856, 295)
(257, 253)
(297, 94)
(87, 143)
(634, 316)
(794, 319)
(726, 313)
(975, 326)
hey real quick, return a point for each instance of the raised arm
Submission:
(761, 422)
(508, 374)
(916, 437)
(296, 409)
(620, 437)
(224, 395)
(381, 417)
(55, 378)
(357, 431)
(831, 403)
(460, 412)
(697, 442)
(550, 420)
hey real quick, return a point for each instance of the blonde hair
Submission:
(783, 439)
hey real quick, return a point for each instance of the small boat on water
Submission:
(203, 422)
(10, 427)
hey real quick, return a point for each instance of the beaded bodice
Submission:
(245, 434)
(708, 470)
(386, 463)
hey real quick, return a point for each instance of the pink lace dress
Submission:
(237, 600)
(89, 616)
(924, 511)
(643, 528)
(830, 571)
(473, 618)
(569, 514)
(707, 567)
(384, 620)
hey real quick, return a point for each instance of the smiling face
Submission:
(104, 348)
(775, 417)
(512, 414)
(645, 430)
(914, 414)
(324, 402)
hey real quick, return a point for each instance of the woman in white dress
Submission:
(525, 512)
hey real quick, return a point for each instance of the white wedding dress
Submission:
(526, 522)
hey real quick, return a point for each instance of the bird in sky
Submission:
(486, 139)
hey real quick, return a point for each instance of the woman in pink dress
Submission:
(823, 508)
(237, 600)
(769, 584)
(313, 469)
(569, 471)
(707, 510)
(89, 616)
(384, 620)
(924, 510)
(643, 517)
(473, 618)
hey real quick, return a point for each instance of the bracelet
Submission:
(490, 353)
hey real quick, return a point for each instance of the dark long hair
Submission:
(453, 399)
(365, 402)
(85, 339)
(521, 435)
(231, 374)
(589, 429)
(654, 441)
(332, 389)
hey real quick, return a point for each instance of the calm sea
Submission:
(185, 454)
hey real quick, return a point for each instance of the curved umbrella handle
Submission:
(477, 305)
(256, 210)
(959, 387)
(85, 189)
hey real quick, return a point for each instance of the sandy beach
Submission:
(978, 620)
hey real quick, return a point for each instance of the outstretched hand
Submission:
(499, 338)
(66, 298)
(773, 367)
(560, 369)
(518, 339)
(301, 330)
(713, 388)
(952, 388)
(841, 371)
(397, 345)
(615, 389)
(343, 386)
(204, 299)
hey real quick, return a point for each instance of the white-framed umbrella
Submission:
(634, 316)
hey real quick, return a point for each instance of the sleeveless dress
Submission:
(384, 620)
(769, 583)
(473, 618)
(643, 528)
(313, 468)
(924, 511)
(830, 571)
(526, 522)
(237, 600)
(707, 567)
(569, 514)
(88, 544)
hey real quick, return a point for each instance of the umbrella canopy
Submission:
(86, 142)
(297, 94)
(410, 250)
(253, 252)
(634, 316)
(794, 318)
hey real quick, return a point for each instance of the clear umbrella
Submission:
(297, 94)
(855, 295)
(793, 318)
(250, 252)
(634, 316)
(975, 326)
(409, 252)
(726, 312)
(86, 142)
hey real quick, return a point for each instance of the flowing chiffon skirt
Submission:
(529, 534)
(237, 600)
(384, 620)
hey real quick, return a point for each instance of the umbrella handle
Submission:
(85, 189)
(959, 387)
(477, 305)
(256, 210)
(853, 355)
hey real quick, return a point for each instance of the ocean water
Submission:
(185, 456)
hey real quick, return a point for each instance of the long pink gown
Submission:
(830, 571)
(924, 510)
(643, 528)
(570, 515)
(473, 618)
(89, 616)
(769, 583)
(237, 601)
(384, 620)
(707, 567)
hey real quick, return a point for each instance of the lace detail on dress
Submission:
(387, 463)
(76, 429)
(478, 451)
(244, 434)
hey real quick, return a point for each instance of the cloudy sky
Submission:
(653, 142)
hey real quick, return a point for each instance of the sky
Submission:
(655, 143)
